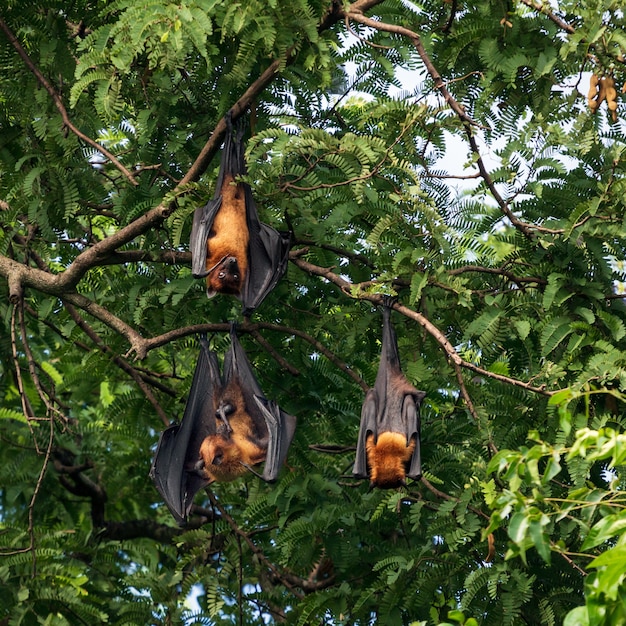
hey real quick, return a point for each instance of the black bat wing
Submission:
(173, 468)
(237, 365)
(268, 253)
(411, 419)
(232, 164)
(280, 431)
(273, 426)
(202, 223)
(369, 413)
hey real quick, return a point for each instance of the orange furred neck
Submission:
(387, 459)
(225, 458)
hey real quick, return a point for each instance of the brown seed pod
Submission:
(610, 91)
(593, 93)
(601, 91)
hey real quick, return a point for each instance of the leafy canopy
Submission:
(445, 152)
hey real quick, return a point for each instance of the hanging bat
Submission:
(227, 427)
(229, 246)
(388, 447)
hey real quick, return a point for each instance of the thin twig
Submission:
(119, 361)
(58, 102)
(255, 550)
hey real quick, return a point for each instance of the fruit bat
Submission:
(229, 246)
(388, 447)
(227, 427)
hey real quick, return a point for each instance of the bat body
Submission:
(227, 242)
(227, 427)
(236, 253)
(388, 447)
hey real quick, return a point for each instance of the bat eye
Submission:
(217, 459)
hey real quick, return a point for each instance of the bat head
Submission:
(225, 457)
(225, 277)
(221, 458)
(387, 459)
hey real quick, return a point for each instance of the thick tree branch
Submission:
(149, 344)
(75, 481)
(354, 291)
(19, 275)
(106, 317)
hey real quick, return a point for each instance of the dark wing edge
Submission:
(236, 364)
(202, 223)
(390, 340)
(367, 426)
(412, 420)
(268, 254)
(281, 428)
(172, 468)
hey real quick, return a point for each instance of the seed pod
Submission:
(601, 91)
(593, 93)
(610, 92)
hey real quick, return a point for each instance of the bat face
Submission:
(240, 440)
(225, 457)
(227, 242)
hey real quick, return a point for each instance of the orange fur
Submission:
(387, 459)
(226, 454)
(225, 457)
(229, 238)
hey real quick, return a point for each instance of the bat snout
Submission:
(230, 268)
(226, 277)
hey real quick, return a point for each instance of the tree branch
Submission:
(441, 86)
(119, 361)
(353, 290)
(543, 8)
(58, 102)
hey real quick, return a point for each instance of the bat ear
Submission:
(371, 485)
(210, 293)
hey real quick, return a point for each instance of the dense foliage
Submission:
(445, 152)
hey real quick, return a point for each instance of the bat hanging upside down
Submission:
(227, 427)
(229, 246)
(227, 243)
(388, 447)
